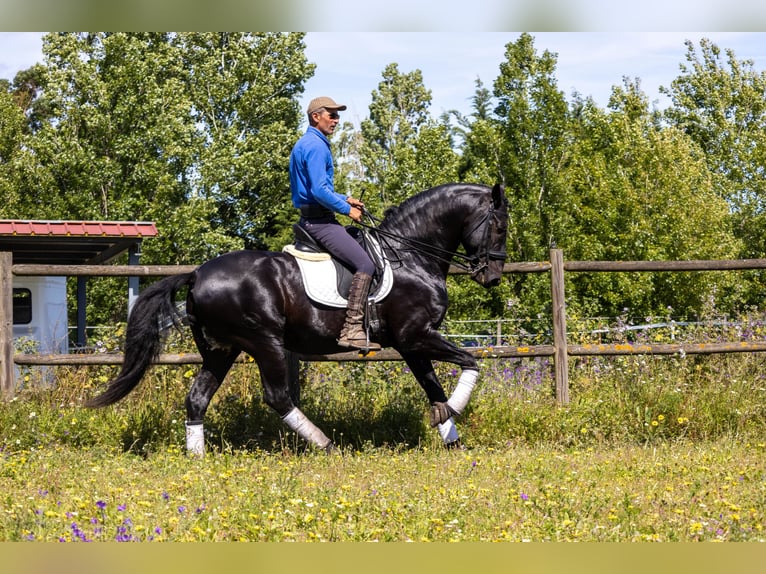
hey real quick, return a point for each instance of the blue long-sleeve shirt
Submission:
(312, 171)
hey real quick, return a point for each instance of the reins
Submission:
(473, 264)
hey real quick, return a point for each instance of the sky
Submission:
(349, 65)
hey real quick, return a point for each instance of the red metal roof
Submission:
(136, 229)
(71, 242)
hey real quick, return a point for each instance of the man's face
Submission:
(326, 120)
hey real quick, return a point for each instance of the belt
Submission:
(315, 211)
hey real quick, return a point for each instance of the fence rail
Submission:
(560, 350)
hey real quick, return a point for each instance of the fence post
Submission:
(560, 355)
(7, 378)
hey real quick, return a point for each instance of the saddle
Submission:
(328, 280)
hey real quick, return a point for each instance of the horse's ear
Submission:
(498, 195)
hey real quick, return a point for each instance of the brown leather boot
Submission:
(353, 335)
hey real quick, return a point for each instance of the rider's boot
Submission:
(353, 334)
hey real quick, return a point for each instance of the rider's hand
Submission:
(356, 209)
(355, 213)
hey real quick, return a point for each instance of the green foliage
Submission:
(193, 130)
(642, 452)
(12, 129)
(719, 103)
(402, 150)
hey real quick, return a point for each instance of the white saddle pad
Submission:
(320, 278)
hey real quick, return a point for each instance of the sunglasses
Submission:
(333, 115)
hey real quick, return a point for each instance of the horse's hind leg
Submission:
(276, 373)
(215, 364)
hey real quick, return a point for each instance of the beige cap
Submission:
(324, 102)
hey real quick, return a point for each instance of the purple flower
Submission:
(165, 496)
(181, 509)
(524, 496)
(101, 504)
(78, 534)
(121, 507)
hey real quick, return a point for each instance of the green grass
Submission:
(650, 448)
(670, 492)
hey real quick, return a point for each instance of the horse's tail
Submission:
(142, 340)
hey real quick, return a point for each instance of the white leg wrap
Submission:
(305, 429)
(195, 439)
(462, 392)
(448, 431)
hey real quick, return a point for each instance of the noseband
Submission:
(480, 260)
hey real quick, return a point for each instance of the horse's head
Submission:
(485, 237)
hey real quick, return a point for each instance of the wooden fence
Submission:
(560, 350)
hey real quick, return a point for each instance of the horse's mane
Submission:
(411, 211)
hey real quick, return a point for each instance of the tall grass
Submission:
(636, 400)
(650, 448)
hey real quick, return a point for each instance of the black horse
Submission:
(254, 302)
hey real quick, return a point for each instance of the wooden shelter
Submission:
(67, 243)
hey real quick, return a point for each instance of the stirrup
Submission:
(366, 345)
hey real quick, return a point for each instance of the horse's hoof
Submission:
(455, 445)
(440, 414)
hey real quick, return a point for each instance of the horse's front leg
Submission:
(442, 411)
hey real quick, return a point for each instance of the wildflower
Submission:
(524, 496)
(101, 504)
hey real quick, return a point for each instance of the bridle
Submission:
(480, 261)
(472, 264)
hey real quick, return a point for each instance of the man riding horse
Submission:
(313, 192)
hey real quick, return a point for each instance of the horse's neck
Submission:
(429, 241)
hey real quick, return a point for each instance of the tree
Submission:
(138, 124)
(244, 91)
(639, 191)
(533, 116)
(12, 127)
(721, 104)
(404, 150)
(190, 130)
